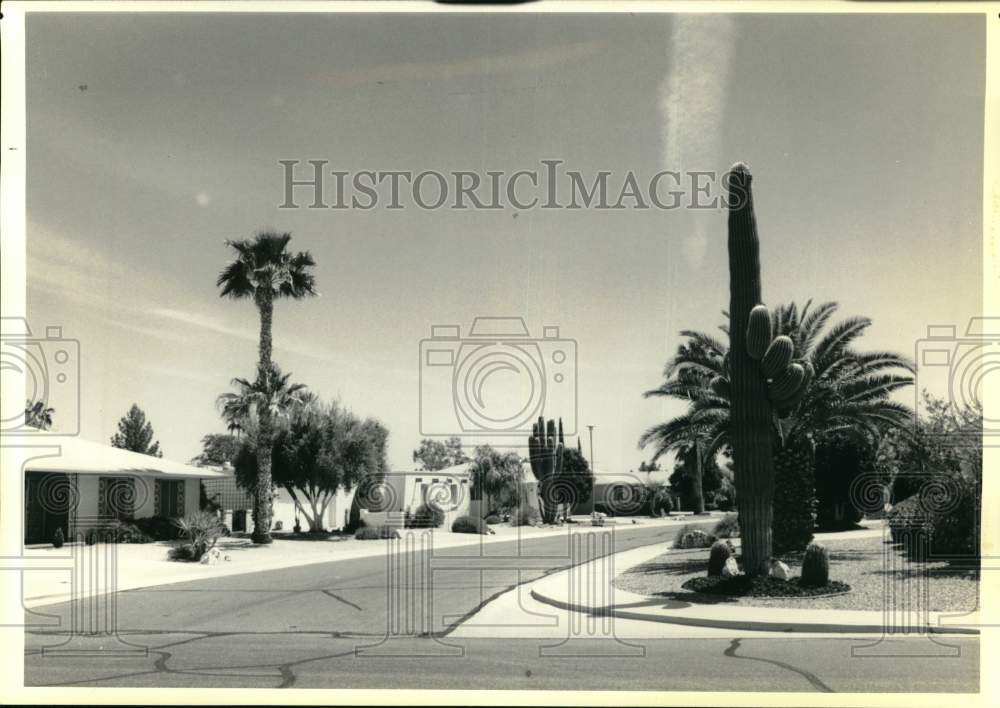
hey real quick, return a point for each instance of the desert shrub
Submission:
(91, 537)
(159, 528)
(469, 524)
(525, 516)
(200, 532)
(688, 537)
(279, 525)
(815, 566)
(717, 557)
(728, 526)
(427, 516)
(374, 533)
(908, 519)
(58, 538)
(492, 519)
(660, 503)
(127, 532)
(794, 501)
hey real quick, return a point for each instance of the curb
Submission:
(776, 626)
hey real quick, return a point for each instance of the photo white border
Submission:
(13, 303)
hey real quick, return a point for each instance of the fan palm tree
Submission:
(241, 410)
(849, 393)
(264, 270)
(38, 415)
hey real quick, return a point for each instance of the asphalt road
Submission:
(372, 623)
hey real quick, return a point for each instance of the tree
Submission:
(38, 415)
(216, 450)
(264, 270)
(135, 433)
(575, 483)
(436, 454)
(849, 394)
(322, 449)
(497, 476)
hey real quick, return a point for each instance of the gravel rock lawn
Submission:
(859, 563)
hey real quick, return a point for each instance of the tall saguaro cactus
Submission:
(750, 406)
(545, 450)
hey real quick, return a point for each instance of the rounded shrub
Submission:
(426, 516)
(493, 519)
(688, 537)
(375, 533)
(660, 504)
(91, 538)
(58, 538)
(717, 557)
(159, 528)
(125, 532)
(469, 524)
(815, 566)
(728, 526)
(525, 516)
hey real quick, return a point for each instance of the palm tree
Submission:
(264, 269)
(497, 475)
(241, 410)
(38, 415)
(849, 392)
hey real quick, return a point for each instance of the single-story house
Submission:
(88, 485)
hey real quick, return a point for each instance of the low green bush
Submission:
(426, 516)
(493, 519)
(660, 504)
(200, 532)
(127, 532)
(58, 538)
(375, 533)
(469, 524)
(159, 528)
(728, 526)
(525, 516)
(91, 537)
(689, 537)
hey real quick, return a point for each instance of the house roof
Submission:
(79, 456)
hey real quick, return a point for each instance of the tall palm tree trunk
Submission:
(265, 432)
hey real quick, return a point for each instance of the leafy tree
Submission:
(850, 392)
(322, 449)
(135, 433)
(38, 415)
(217, 449)
(498, 476)
(576, 480)
(264, 270)
(437, 455)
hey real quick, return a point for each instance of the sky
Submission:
(152, 139)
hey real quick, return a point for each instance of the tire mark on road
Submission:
(330, 593)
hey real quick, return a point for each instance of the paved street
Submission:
(325, 625)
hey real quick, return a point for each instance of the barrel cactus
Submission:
(815, 566)
(717, 557)
(545, 451)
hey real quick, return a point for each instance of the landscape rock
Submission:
(779, 570)
(730, 569)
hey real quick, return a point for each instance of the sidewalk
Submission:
(574, 590)
(48, 581)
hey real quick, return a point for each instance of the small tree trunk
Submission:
(262, 502)
(698, 481)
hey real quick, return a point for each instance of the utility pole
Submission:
(593, 467)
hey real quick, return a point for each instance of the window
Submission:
(169, 500)
(116, 498)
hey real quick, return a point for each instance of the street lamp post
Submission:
(593, 467)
